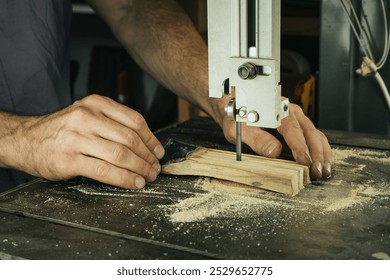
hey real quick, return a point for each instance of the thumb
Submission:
(261, 142)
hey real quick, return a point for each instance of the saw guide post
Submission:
(270, 174)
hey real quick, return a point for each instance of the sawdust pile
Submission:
(230, 200)
(221, 198)
(340, 155)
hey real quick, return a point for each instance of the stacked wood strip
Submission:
(270, 174)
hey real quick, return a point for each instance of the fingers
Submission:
(258, 140)
(119, 156)
(129, 118)
(116, 141)
(328, 159)
(118, 133)
(261, 142)
(292, 133)
(319, 147)
(104, 172)
(309, 145)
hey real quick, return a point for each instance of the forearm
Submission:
(162, 39)
(13, 144)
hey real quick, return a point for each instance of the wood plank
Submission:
(270, 174)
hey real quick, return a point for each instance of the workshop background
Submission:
(319, 57)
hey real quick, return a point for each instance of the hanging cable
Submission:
(369, 67)
(383, 87)
(362, 31)
(386, 47)
(361, 43)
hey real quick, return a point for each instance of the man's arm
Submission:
(95, 137)
(162, 39)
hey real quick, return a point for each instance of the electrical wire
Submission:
(383, 87)
(369, 64)
(363, 37)
(386, 47)
(362, 31)
(362, 44)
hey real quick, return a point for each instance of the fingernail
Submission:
(159, 151)
(269, 148)
(328, 169)
(303, 158)
(152, 174)
(157, 167)
(308, 158)
(139, 182)
(318, 169)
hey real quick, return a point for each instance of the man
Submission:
(42, 135)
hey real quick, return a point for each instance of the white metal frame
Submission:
(228, 50)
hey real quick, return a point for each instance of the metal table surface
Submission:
(185, 217)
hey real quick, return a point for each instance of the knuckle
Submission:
(80, 114)
(144, 169)
(131, 139)
(119, 153)
(323, 136)
(150, 158)
(94, 97)
(295, 109)
(101, 170)
(139, 121)
(149, 140)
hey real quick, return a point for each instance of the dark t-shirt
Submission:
(34, 62)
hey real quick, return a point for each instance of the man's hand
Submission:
(308, 145)
(96, 138)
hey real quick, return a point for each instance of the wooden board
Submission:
(270, 174)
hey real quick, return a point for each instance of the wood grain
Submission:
(270, 174)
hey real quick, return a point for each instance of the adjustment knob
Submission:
(247, 71)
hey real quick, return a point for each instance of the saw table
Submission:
(345, 217)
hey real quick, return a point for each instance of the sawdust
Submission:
(90, 189)
(340, 155)
(351, 199)
(366, 191)
(230, 200)
(221, 198)
(382, 189)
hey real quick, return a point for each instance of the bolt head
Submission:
(247, 71)
(242, 112)
(253, 117)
